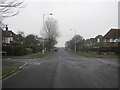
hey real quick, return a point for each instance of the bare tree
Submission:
(50, 32)
(9, 8)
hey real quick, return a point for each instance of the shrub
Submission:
(9, 50)
(101, 49)
(36, 48)
(28, 50)
(18, 49)
(14, 50)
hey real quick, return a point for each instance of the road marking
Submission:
(36, 63)
(23, 65)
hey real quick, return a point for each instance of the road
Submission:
(65, 70)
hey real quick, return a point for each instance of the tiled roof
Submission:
(113, 33)
(8, 34)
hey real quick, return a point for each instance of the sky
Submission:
(88, 17)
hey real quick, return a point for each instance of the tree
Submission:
(31, 40)
(76, 40)
(50, 32)
(9, 8)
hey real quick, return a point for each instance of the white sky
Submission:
(89, 17)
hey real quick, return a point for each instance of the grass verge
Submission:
(86, 54)
(116, 56)
(39, 55)
(33, 55)
(8, 69)
(96, 55)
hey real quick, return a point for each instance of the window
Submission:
(105, 40)
(111, 40)
(11, 34)
(98, 40)
(116, 40)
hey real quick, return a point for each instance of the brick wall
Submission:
(111, 44)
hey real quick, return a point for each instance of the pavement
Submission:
(63, 69)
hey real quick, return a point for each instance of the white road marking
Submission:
(23, 65)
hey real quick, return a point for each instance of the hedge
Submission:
(14, 50)
(19, 50)
(101, 49)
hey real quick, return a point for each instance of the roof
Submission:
(18, 37)
(8, 34)
(113, 33)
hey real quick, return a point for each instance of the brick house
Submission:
(112, 38)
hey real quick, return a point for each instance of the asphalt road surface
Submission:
(65, 70)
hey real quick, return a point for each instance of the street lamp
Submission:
(75, 38)
(43, 30)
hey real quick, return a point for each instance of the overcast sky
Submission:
(89, 17)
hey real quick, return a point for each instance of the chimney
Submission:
(6, 28)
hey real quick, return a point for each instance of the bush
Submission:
(18, 49)
(28, 50)
(14, 50)
(101, 49)
(36, 48)
(9, 50)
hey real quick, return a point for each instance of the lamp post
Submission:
(43, 31)
(75, 39)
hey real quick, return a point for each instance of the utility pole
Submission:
(75, 39)
(43, 31)
(43, 35)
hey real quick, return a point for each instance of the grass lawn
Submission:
(85, 54)
(33, 55)
(116, 56)
(8, 68)
(39, 55)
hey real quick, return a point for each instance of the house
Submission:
(94, 42)
(9, 37)
(112, 38)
